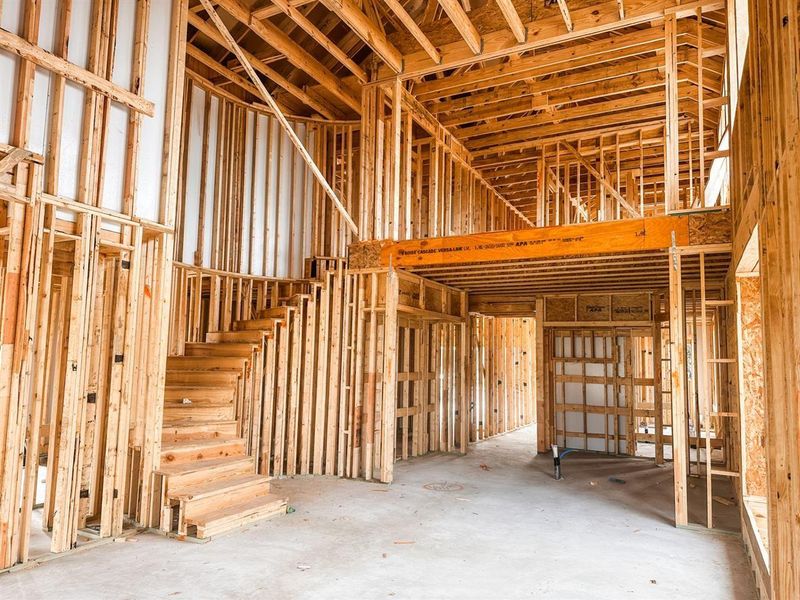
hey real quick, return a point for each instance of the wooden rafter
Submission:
(596, 19)
(368, 31)
(294, 53)
(265, 70)
(270, 9)
(323, 40)
(414, 29)
(512, 18)
(460, 20)
(281, 118)
(562, 5)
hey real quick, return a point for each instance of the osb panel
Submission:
(751, 360)
(365, 255)
(559, 308)
(594, 307)
(433, 299)
(408, 292)
(630, 307)
(710, 228)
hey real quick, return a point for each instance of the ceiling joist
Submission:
(368, 31)
(460, 20)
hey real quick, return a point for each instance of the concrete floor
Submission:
(492, 524)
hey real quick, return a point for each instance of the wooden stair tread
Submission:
(233, 513)
(216, 486)
(204, 465)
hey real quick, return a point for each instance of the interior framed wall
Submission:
(765, 157)
(605, 382)
(88, 173)
(503, 390)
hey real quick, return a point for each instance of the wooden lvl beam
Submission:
(460, 20)
(56, 64)
(281, 118)
(369, 32)
(584, 239)
(410, 24)
(512, 18)
(297, 56)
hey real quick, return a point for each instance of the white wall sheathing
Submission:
(273, 188)
(115, 157)
(194, 149)
(286, 171)
(247, 199)
(10, 20)
(70, 146)
(211, 179)
(40, 107)
(297, 227)
(151, 158)
(74, 98)
(261, 124)
(123, 44)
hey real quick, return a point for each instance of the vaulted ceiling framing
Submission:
(512, 80)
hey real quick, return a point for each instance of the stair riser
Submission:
(217, 337)
(257, 325)
(272, 313)
(188, 412)
(198, 401)
(221, 350)
(173, 434)
(179, 378)
(189, 454)
(195, 508)
(178, 393)
(205, 363)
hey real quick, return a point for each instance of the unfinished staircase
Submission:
(208, 448)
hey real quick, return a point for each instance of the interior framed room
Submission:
(277, 273)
